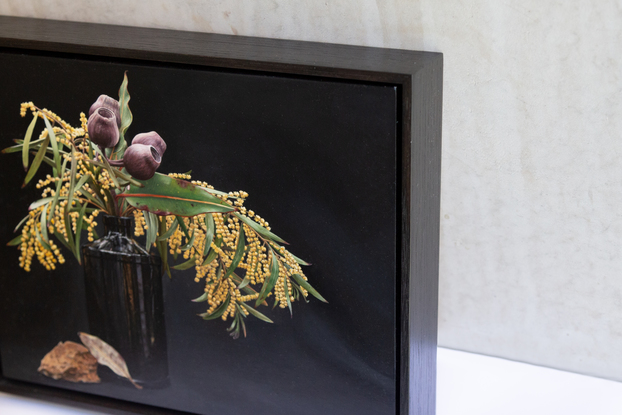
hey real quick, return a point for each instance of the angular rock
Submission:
(70, 361)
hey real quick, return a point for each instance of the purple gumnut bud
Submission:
(141, 161)
(151, 139)
(103, 130)
(107, 102)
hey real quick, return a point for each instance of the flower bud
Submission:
(102, 126)
(107, 102)
(141, 161)
(151, 139)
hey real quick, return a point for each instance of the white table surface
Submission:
(468, 384)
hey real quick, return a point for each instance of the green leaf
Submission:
(21, 222)
(269, 283)
(36, 162)
(200, 299)
(72, 183)
(112, 173)
(41, 202)
(20, 146)
(239, 253)
(190, 243)
(44, 227)
(244, 283)
(59, 185)
(15, 241)
(219, 311)
(165, 195)
(54, 144)
(213, 254)
(126, 117)
(258, 228)
(163, 245)
(45, 245)
(304, 284)
(79, 232)
(61, 238)
(151, 221)
(287, 295)
(209, 233)
(186, 265)
(247, 289)
(27, 138)
(298, 260)
(256, 313)
(170, 230)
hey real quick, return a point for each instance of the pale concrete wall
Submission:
(531, 219)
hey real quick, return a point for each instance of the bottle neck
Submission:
(116, 224)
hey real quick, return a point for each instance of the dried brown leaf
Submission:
(106, 355)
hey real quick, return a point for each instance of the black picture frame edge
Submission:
(419, 76)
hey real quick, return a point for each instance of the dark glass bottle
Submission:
(125, 302)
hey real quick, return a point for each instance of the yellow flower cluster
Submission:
(32, 244)
(254, 266)
(55, 217)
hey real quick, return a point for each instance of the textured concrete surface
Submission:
(530, 221)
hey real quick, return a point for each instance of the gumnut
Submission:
(142, 161)
(102, 126)
(107, 102)
(151, 139)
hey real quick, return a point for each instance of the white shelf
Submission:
(468, 384)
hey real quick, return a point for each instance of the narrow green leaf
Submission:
(167, 234)
(219, 311)
(244, 283)
(81, 182)
(79, 232)
(20, 146)
(152, 229)
(72, 181)
(27, 138)
(186, 265)
(40, 239)
(243, 326)
(59, 185)
(210, 257)
(36, 162)
(258, 228)
(15, 241)
(209, 233)
(247, 289)
(239, 253)
(298, 260)
(269, 283)
(40, 203)
(287, 295)
(256, 313)
(62, 239)
(112, 173)
(47, 161)
(21, 222)
(183, 226)
(200, 299)
(126, 117)
(163, 246)
(304, 284)
(44, 226)
(54, 143)
(190, 243)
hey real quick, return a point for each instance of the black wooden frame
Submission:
(418, 76)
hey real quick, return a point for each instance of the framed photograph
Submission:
(200, 223)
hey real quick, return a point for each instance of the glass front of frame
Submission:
(318, 159)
